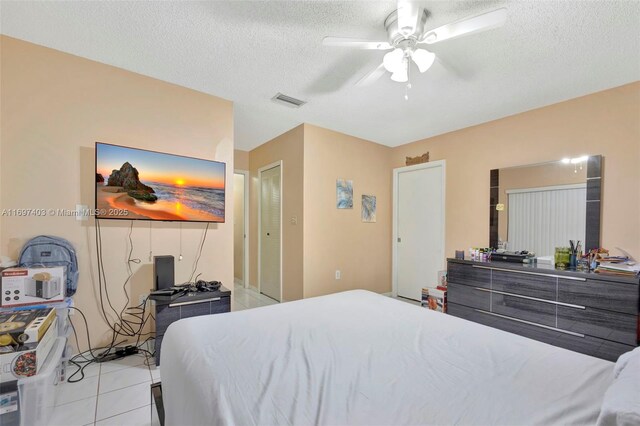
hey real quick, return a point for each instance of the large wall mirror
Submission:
(538, 207)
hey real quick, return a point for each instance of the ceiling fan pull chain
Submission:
(408, 86)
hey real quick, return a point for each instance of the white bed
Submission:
(361, 358)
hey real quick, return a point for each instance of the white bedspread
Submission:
(361, 358)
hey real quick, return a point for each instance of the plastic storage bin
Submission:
(37, 394)
(62, 312)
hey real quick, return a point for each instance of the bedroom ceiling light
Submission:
(423, 59)
(407, 34)
(401, 73)
(392, 61)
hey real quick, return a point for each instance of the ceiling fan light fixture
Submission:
(392, 61)
(423, 59)
(401, 74)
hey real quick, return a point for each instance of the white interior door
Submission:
(419, 228)
(270, 199)
(239, 233)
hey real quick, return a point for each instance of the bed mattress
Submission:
(359, 358)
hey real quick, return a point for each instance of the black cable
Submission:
(101, 273)
(85, 361)
(195, 264)
(123, 327)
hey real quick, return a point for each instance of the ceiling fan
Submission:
(407, 36)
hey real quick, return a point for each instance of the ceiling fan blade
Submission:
(371, 76)
(356, 43)
(485, 21)
(408, 13)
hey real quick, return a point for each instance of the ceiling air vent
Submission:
(288, 100)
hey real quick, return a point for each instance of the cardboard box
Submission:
(33, 286)
(24, 325)
(27, 359)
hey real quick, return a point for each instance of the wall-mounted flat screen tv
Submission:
(147, 185)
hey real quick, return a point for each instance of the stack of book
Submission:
(629, 269)
(612, 259)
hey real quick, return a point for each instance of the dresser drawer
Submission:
(618, 297)
(193, 310)
(167, 314)
(589, 345)
(468, 275)
(221, 306)
(468, 296)
(608, 325)
(164, 317)
(539, 286)
(525, 309)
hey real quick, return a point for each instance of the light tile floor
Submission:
(117, 392)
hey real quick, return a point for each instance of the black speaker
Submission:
(163, 272)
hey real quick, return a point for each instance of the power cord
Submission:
(130, 321)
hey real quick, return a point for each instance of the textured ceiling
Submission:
(247, 51)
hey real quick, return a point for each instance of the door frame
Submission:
(245, 240)
(260, 171)
(394, 241)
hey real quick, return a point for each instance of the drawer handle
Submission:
(193, 302)
(559, 330)
(564, 277)
(553, 302)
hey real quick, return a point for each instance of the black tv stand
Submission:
(186, 305)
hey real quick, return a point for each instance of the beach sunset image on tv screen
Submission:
(139, 184)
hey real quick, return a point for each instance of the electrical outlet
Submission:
(338, 274)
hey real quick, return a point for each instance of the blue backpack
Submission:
(49, 251)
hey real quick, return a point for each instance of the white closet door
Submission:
(270, 233)
(239, 233)
(420, 229)
(541, 219)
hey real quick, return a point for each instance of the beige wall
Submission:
(241, 159)
(54, 107)
(288, 148)
(606, 123)
(338, 239)
(238, 226)
(534, 176)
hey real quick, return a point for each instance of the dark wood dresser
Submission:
(582, 311)
(186, 306)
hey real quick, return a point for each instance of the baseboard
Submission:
(388, 294)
